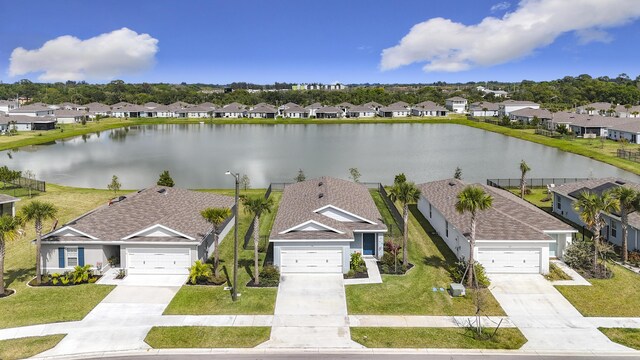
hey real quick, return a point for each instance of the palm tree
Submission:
(628, 200)
(256, 206)
(590, 207)
(8, 231)
(38, 212)
(524, 169)
(472, 199)
(406, 193)
(215, 217)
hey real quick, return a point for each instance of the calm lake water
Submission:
(198, 155)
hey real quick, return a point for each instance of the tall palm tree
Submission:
(590, 206)
(472, 199)
(524, 169)
(8, 231)
(628, 200)
(406, 193)
(215, 217)
(255, 206)
(38, 212)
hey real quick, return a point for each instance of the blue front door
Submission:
(369, 244)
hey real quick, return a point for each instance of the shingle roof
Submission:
(631, 127)
(24, 119)
(328, 109)
(68, 113)
(31, 108)
(586, 120)
(429, 105)
(518, 102)
(300, 200)
(98, 107)
(263, 108)
(373, 104)
(7, 199)
(316, 105)
(360, 109)
(457, 98)
(510, 218)
(530, 112)
(177, 209)
(292, 108)
(478, 106)
(234, 107)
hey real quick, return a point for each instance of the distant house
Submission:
(311, 109)
(397, 109)
(163, 111)
(456, 104)
(506, 107)
(583, 124)
(609, 109)
(130, 111)
(484, 109)
(321, 222)
(360, 111)
(33, 110)
(8, 205)
(157, 230)
(8, 105)
(428, 108)
(329, 112)
(526, 115)
(263, 111)
(69, 116)
(197, 111)
(373, 105)
(630, 131)
(233, 110)
(27, 123)
(496, 93)
(513, 236)
(69, 106)
(96, 108)
(565, 195)
(293, 111)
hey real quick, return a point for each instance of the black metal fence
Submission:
(392, 207)
(534, 182)
(629, 155)
(28, 183)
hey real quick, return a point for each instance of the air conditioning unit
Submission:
(457, 290)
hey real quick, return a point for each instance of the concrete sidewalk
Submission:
(426, 321)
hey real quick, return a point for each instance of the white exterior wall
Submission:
(93, 255)
(508, 109)
(66, 120)
(345, 246)
(21, 126)
(563, 206)
(457, 242)
(197, 115)
(484, 113)
(618, 134)
(457, 106)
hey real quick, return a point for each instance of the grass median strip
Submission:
(442, 338)
(27, 347)
(172, 337)
(627, 337)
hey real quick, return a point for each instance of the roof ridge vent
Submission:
(320, 196)
(162, 191)
(320, 183)
(452, 183)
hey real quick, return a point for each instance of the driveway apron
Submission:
(311, 312)
(545, 317)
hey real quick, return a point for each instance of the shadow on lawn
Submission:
(449, 256)
(20, 275)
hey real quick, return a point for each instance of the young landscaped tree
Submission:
(38, 212)
(590, 208)
(472, 200)
(245, 182)
(406, 193)
(458, 173)
(8, 232)
(165, 179)
(524, 169)
(400, 178)
(114, 185)
(300, 177)
(216, 217)
(354, 174)
(628, 200)
(255, 206)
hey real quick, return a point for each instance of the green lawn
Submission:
(208, 300)
(537, 197)
(27, 347)
(412, 293)
(206, 337)
(626, 337)
(617, 296)
(556, 273)
(444, 338)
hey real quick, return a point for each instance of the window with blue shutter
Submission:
(61, 258)
(81, 256)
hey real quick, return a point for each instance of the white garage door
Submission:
(310, 261)
(158, 261)
(524, 261)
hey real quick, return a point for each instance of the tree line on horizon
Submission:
(555, 95)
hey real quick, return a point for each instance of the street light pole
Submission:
(234, 291)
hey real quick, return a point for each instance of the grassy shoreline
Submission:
(581, 147)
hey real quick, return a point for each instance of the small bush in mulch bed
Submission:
(269, 277)
(357, 267)
(79, 275)
(202, 274)
(7, 293)
(392, 264)
(458, 270)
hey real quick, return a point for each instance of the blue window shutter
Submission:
(61, 257)
(81, 256)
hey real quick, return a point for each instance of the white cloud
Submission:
(501, 6)
(450, 46)
(103, 57)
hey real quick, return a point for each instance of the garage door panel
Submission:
(510, 260)
(158, 261)
(311, 261)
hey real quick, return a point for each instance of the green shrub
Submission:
(357, 262)
(200, 272)
(269, 276)
(65, 280)
(458, 269)
(80, 274)
(350, 274)
(579, 255)
(389, 260)
(55, 278)
(92, 280)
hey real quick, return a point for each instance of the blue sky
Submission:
(317, 41)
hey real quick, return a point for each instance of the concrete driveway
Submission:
(311, 312)
(545, 317)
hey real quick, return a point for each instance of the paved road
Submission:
(364, 357)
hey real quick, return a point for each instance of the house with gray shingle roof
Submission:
(456, 104)
(158, 230)
(513, 236)
(198, 111)
(484, 108)
(233, 110)
(294, 111)
(428, 108)
(565, 195)
(321, 222)
(311, 109)
(629, 131)
(397, 109)
(508, 106)
(526, 115)
(263, 111)
(8, 205)
(360, 111)
(64, 116)
(329, 112)
(36, 109)
(26, 123)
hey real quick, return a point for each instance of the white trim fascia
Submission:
(560, 231)
(67, 227)
(515, 241)
(160, 226)
(370, 231)
(310, 240)
(121, 242)
(344, 211)
(311, 222)
(10, 201)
